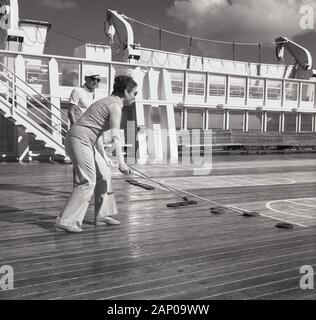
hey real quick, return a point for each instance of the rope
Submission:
(76, 38)
(197, 38)
(69, 36)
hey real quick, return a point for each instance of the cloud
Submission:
(241, 20)
(58, 4)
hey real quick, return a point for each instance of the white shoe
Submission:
(106, 220)
(62, 227)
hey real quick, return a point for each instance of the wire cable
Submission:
(198, 38)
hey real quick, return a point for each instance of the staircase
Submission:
(28, 109)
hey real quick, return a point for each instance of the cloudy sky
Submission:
(227, 20)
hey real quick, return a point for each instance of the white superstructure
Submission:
(178, 93)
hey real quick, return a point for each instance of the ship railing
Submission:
(37, 107)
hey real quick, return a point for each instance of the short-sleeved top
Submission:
(83, 98)
(96, 120)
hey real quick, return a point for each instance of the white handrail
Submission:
(41, 128)
(25, 83)
(30, 103)
(19, 97)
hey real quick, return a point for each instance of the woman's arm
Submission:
(115, 126)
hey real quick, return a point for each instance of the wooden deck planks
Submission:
(156, 253)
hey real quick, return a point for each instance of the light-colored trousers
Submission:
(92, 175)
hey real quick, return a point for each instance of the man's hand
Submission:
(123, 167)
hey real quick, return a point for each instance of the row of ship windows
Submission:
(69, 76)
(236, 120)
(256, 89)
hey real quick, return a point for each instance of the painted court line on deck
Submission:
(269, 203)
(269, 206)
(284, 220)
(274, 218)
(300, 204)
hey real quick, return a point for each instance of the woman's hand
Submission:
(123, 167)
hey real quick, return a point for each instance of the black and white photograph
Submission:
(159, 156)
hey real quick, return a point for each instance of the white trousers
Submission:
(92, 175)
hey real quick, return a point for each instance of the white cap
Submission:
(91, 74)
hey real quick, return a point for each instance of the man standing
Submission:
(82, 97)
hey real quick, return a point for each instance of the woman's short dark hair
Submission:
(122, 83)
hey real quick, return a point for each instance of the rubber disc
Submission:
(250, 214)
(173, 205)
(284, 225)
(183, 203)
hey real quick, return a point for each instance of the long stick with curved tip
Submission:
(161, 184)
(194, 195)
